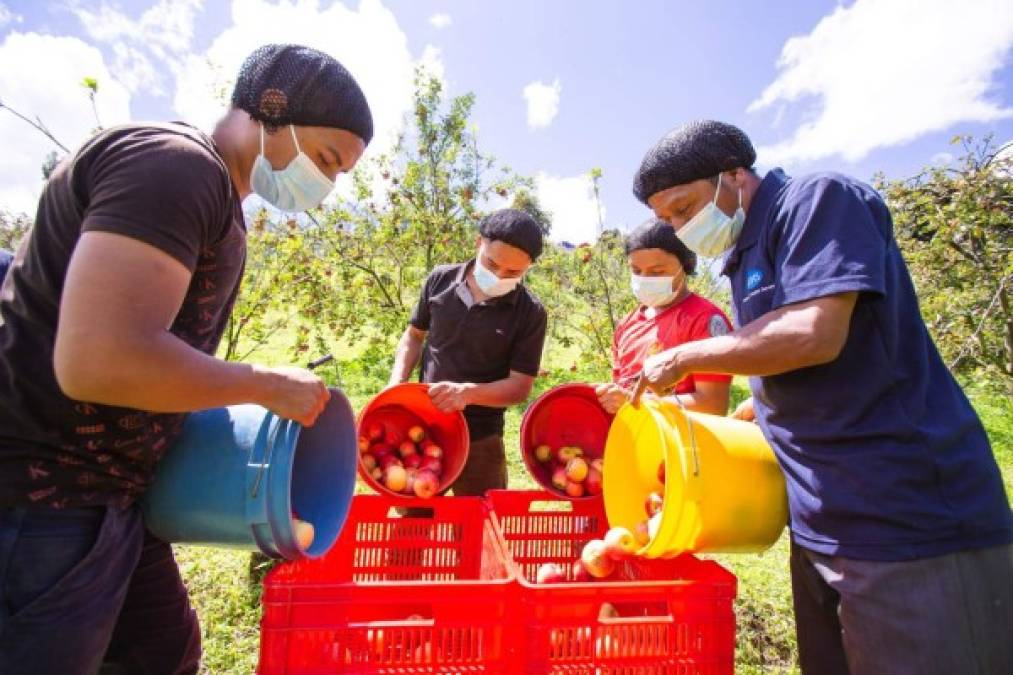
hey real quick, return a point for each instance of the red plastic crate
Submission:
(412, 594)
(652, 617)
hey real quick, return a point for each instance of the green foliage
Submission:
(955, 227)
(13, 227)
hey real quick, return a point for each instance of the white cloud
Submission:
(367, 40)
(570, 200)
(7, 16)
(51, 89)
(163, 32)
(543, 102)
(440, 20)
(431, 63)
(881, 73)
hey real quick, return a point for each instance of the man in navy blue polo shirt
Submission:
(902, 559)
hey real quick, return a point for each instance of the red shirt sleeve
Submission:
(709, 322)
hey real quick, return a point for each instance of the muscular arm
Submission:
(795, 336)
(113, 344)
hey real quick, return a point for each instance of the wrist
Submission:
(469, 390)
(258, 385)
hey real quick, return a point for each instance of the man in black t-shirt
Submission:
(483, 331)
(109, 323)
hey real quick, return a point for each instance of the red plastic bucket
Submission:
(566, 415)
(402, 406)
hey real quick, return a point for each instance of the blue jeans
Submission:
(89, 590)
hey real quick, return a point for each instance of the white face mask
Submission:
(653, 291)
(299, 186)
(711, 232)
(491, 284)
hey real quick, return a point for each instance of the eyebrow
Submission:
(337, 155)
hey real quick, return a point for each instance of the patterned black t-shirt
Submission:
(167, 186)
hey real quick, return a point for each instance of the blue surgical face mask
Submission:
(711, 231)
(299, 186)
(490, 284)
(653, 291)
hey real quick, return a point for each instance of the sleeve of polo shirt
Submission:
(526, 355)
(829, 244)
(420, 315)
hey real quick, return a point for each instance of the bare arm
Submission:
(709, 397)
(113, 344)
(795, 336)
(409, 351)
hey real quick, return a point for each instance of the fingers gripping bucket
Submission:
(238, 475)
(723, 489)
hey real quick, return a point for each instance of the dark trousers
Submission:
(946, 615)
(485, 469)
(88, 591)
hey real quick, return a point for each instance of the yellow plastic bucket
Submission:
(723, 489)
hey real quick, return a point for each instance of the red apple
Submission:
(417, 433)
(661, 473)
(303, 532)
(409, 485)
(574, 489)
(641, 533)
(619, 543)
(395, 478)
(376, 474)
(363, 444)
(576, 470)
(654, 503)
(596, 560)
(375, 431)
(598, 464)
(433, 450)
(406, 448)
(432, 464)
(580, 574)
(388, 461)
(426, 484)
(392, 438)
(368, 462)
(543, 453)
(593, 482)
(381, 449)
(566, 453)
(550, 573)
(559, 479)
(413, 461)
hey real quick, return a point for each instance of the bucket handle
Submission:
(266, 462)
(692, 436)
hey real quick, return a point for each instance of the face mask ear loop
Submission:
(717, 191)
(262, 140)
(295, 140)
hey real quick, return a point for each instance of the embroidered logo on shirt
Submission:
(717, 326)
(753, 278)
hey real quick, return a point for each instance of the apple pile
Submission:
(571, 472)
(597, 560)
(409, 463)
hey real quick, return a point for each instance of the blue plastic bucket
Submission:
(236, 476)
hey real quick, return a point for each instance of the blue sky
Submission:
(858, 87)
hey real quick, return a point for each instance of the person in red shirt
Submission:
(668, 315)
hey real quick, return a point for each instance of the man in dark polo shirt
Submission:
(483, 331)
(901, 530)
(109, 321)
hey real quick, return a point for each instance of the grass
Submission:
(228, 602)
